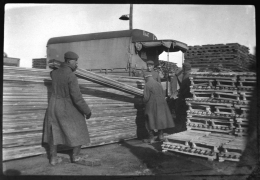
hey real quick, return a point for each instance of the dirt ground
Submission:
(132, 158)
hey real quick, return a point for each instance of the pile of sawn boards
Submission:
(231, 56)
(217, 117)
(25, 100)
(40, 63)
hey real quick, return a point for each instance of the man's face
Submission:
(150, 67)
(74, 64)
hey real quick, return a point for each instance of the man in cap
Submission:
(64, 120)
(184, 92)
(156, 108)
(150, 68)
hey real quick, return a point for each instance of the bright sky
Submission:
(28, 27)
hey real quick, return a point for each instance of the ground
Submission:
(129, 158)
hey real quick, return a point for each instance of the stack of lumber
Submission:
(251, 60)
(25, 99)
(9, 61)
(40, 63)
(231, 56)
(167, 67)
(246, 84)
(219, 106)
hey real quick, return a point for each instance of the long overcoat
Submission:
(156, 107)
(66, 110)
(184, 91)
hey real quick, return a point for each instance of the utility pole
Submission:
(131, 17)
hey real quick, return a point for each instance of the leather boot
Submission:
(160, 135)
(75, 154)
(54, 159)
(151, 137)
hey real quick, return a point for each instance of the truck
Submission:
(115, 52)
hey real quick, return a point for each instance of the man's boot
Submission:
(76, 155)
(54, 159)
(160, 135)
(151, 137)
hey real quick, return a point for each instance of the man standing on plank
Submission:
(64, 120)
(156, 108)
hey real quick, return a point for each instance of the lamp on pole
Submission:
(129, 17)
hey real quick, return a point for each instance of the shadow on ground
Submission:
(12, 172)
(162, 164)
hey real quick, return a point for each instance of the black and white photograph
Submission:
(157, 91)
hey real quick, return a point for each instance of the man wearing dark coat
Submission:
(184, 92)
(65, 116)
(156, 108)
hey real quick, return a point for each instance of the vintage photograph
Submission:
(166, 91)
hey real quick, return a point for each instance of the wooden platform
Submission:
(223, 117)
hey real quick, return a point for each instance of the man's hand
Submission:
(174, 95)
(88, 116)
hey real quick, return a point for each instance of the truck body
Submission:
(107, 51)
(115, 52)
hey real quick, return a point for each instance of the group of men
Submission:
(157, 112)
(64, 122)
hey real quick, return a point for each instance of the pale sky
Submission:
(28, 27)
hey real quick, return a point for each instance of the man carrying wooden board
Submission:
(64, 122)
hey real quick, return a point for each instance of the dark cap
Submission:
(150, 62)
(71, 55)
(186, 65)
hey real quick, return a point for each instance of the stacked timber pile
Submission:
(231, 56)
(218, 108)
(252, 63)
(40, 63)
(167, 67)
(25, 99)
(8, 61)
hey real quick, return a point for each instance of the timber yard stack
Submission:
(39, 63)
(217, 116)
(166, 67)
(251, 61)
(25, 99)
(231, 56)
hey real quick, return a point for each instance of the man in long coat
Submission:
(64, 121)
(156, 108)
(184, 92)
